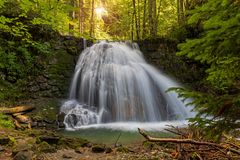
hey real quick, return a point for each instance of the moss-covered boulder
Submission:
(98, 148)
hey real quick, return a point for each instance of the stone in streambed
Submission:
(49, 139)
(4, 140)
(67, 156)
(123, 149)
(1, 149)
(98, 149)
(108, 150)
(23, 155)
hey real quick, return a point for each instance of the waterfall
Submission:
(113, 83)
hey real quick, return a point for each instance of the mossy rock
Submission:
(4, 140)
(73, 143)
(24, 155)
(46, 148)
(98, 148)
(49, 139)
(123, 149)
(108, 150)
(46, 109)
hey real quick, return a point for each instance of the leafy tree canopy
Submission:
(218, 47)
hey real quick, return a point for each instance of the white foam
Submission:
(133, 126)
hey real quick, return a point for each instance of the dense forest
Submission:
(195, 41)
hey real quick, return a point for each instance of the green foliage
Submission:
(216, 46)
(5, 121)
(27, 29)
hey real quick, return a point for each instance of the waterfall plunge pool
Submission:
(108, 133)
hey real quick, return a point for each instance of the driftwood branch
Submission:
(17, 109)
(189, 141)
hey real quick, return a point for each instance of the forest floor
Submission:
(41, 144)
(48, 145)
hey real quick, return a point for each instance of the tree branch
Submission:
(190, 141)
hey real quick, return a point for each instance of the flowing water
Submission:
(113, 86)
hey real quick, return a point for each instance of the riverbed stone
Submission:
(98, 149)
(108, 150)
(23, 155)
(4, 140)
(67, 156)
(1, 149)
(49, 139)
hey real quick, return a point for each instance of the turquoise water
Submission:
(110, 137)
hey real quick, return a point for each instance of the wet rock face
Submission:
(72, 120)
(52, 75)
(162, 54)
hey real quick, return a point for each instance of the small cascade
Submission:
(113, 83)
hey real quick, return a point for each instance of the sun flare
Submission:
(100, 11)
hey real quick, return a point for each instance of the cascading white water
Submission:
(113, 83)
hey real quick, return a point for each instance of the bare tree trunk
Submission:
(182, 10)
(139, 19)
(81, 16)
(136, 20)
(158, 13)
(178, 12)
(92, 19)
(144, 18)
(152, 18)
(187, 5)
(181, 16)
(132, 28)
(72, 16)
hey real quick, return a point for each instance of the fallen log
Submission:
(189, 141)
(17, 109)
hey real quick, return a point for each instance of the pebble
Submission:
(67, 156)
(1, 149)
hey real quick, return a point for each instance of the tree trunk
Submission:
(158, 13)
(91, 32)
(132, 27)
(139, 19)
(181, 16)
(72, 16)
(144, 18)
(152, 18)
(135, 18)
(81, 16)
(178, 12)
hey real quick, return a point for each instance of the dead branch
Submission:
(234, 145)
(17, 109)
(177, 133)
(189, 141)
